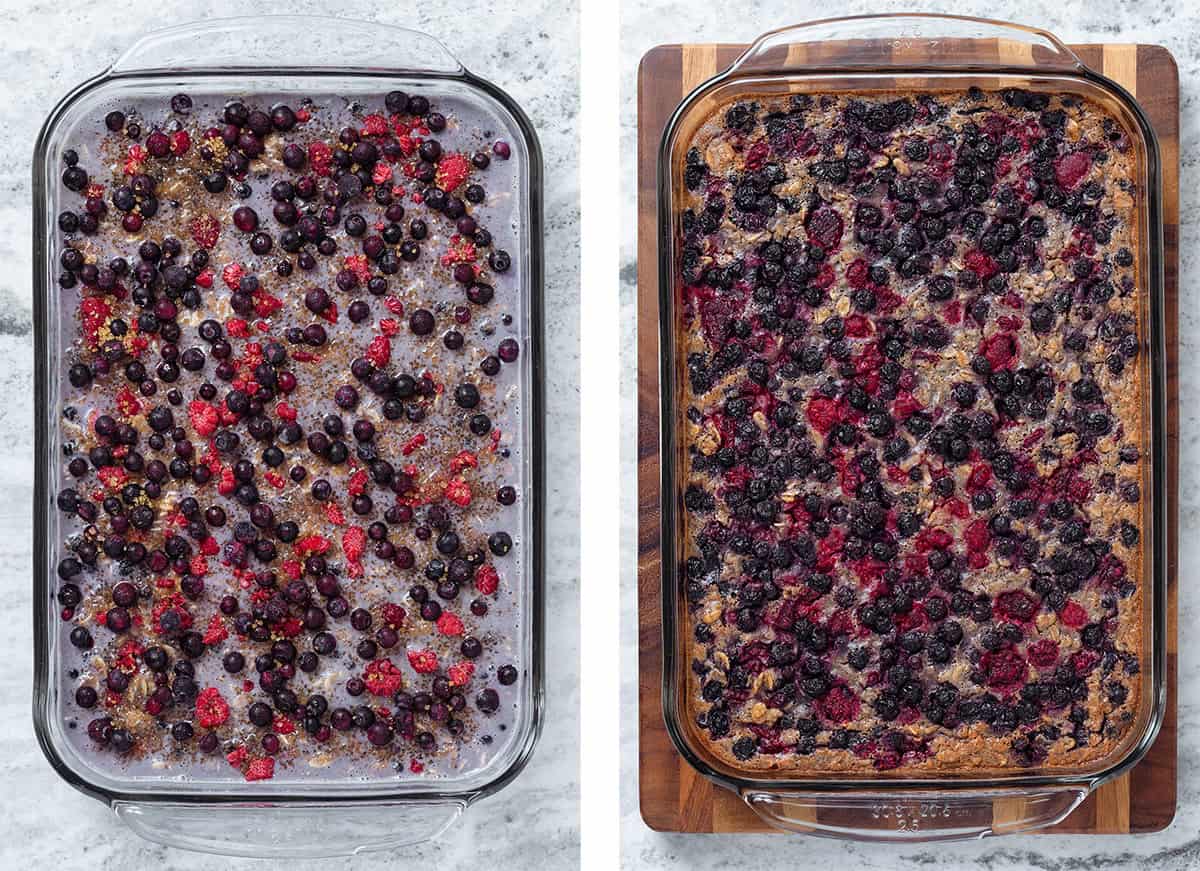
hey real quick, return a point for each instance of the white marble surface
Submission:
(1175, 25)
(46, 49)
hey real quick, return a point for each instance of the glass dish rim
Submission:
(745, 780)
(222, 793)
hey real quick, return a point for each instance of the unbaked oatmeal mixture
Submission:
(913, 419)
(289, 502)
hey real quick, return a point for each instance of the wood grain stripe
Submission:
(1112, 807)
(1120, 65)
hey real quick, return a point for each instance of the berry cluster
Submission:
(289, 436)
(914, 431)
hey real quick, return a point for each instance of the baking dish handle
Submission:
(286, 42)
(301, 830)
(905, 40)
(910, 817)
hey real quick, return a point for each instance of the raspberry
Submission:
(458, 491)
(824, 227)
(283, 725)
(393, 615)
(237, 756)
(312, 544)
(487, 580)
(1083, 661)
(423, 661)
(1017, 605)
(261, 769)
(319, 157)
(354, 542)
(232, 275)
(977, 536)
(460, 673)
(127, 403)
(204, 418)
(357, 264)
(211, 709)
(375, 125)
(381, 174)
(379, 351)
(933, 539)
(1073, 615)
(982, 265)
(383, 678)
(452, 171)
(1005, 670)
(180, 142)
(389, 327)
(450, 624)
(334, 514)
(413, 443)
(216, 631)
(357, 485)
(1070, 169)
(839, 705)
(1043, 653)
(463, 460)
(1000, 349)
(822, 413)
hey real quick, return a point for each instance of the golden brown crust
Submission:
(1065, 456)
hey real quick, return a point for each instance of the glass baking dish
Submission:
(336, 810)
(903, 54)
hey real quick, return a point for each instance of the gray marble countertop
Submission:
(1175, 25)
(533, 53)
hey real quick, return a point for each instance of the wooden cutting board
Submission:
(674, 797)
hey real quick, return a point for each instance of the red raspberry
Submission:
(1043, 653)
(450, 624)
(458, 491)
(1000, 349)
(180, 142)
(452, 171)
(423, 661)
(232, 275)
(487, 580)
(1073, 615)
(1017, 605)
(204, 418)
(460, 673)
(211, 709)
(375, 125)
(982, 265)
(319, 157)
(216, 631)
(393, 615)
(311, 544)
(822, 413)
(1070, 169)
(1005, 670)
(824, 228)
(283, 725)
(383, 678)
(379, 351)
(354, 542)
(839, 705)
(1083, 661)
(977, 536)
(261, 769)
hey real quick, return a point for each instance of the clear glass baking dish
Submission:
(908, 53)
(341, 813)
